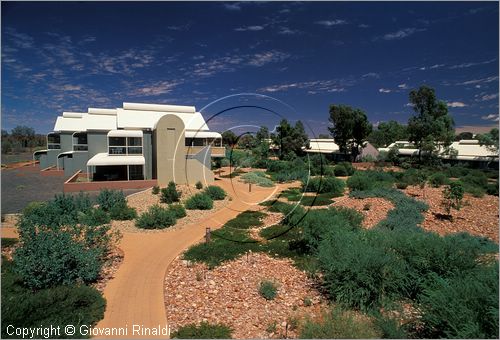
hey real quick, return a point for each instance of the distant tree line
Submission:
(21, 139)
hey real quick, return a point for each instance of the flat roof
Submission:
(105, 159)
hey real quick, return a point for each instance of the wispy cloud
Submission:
(486, 97)
(470, 64)
(287, 31)
(371, 75)
(456, 104)
(154, 89)
(19, 39)
(491, 117)
(402, 33)
(252, 28)
(431, 67)
(261, 59)
(312, 87)
(384, 90)
(403, 86)
(330, 23)
(479, 81)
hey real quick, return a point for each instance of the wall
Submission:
(78, 162)
(147, 150)
(98, 142)
(49, 159)
(170, 153)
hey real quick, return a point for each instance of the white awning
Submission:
(203, 134)
(105, 159)
(125, 133)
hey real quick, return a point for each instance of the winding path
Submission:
(135, 295)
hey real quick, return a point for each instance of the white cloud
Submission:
(432, 67)
(264, 58)
(382, 90)
(492, 117)
(487, 97)
(371, 75)
(287, 31)
(253, 28)
(313, 87)
(456, 104)
(403, 86)
(233, 6)
(466, 65)
(403, 33)
(363, 26)
(154, 89)
(330, 23)
(479, 81)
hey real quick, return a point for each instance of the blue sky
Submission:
(70, 56)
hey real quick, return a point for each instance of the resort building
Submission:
(137, 142)
(328, 147)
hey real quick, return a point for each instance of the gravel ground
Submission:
(229, 294)
(141, 201)
(374, 209)
(478, 216)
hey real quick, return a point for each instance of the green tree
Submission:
(262, 134)
(290, 139)
(229, 138)
(452, 197)
(464, 135)
(24, 134)
(350, 128)
(489, 139)
(387, 133)
(431, 127)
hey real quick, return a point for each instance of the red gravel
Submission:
(374, 209)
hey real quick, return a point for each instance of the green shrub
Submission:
(215, 192)
(170, 194)
(203, 331)
(94, 217)
(314, 201)
(122, 213)
(338, 324)
(59, 306)
(155, 190)
(257, 177)
(452, 196)
(492, 189)
(268, 289)
(178, 210)
(360, 182)
(344, 169)
(9, 242)
(245, 220)
(198, 185)
(199, 201)
(107, 199)
(437, 179)
(464, 306)
(401, 185)
(475, 178)
(324, 184)
(156, 218)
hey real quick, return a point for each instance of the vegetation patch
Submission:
(245, 220)
(257, 177)
(268, 289)
(157, 217)
(317, 200)
(215, 192)
(170, 194)
(323, 185)
(199, 201)
(202, 331)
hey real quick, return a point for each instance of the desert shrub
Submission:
(456, 171)
(170, 194)
(199, 201)
(155, 190)
(290, 175)
(94, 217)
(314, 201)
(107, 199)
(492, 189)
(202, 331)
(401, 185)
(215, 192)
(359, 182)
(338, 324)
(246, 220)
(122, 213)
(437, 179)
(475, 183)
(58, 306)
(8, 242)
(292, 194)
(268, 289)
(324, 184)
(344, 169)
(156, 218)
(452, 196)
(257, 177)
(465, 306)
(199, 185)
(178, 210)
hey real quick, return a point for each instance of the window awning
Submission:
(125, 133)
(203, 134)
(105, 159)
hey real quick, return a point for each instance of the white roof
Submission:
(125, 133)
(85, 122)
(105, 159)
(96, 111)
(202, 134)
(322, 146)
(467, 149)
(130, 119)
(159, 107)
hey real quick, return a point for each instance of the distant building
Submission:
(327, 146)
(136, 142)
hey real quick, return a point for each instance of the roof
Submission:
(128, 119)
(105, 159)
(202, 134)
(125, 133)
(85, 122)
(159, 107)
(322, 146)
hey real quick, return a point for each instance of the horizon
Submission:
(306, 55)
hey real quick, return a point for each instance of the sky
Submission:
(291, 59)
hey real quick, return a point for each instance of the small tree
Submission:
(452, 197)
(170, 194)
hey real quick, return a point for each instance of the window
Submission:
(117, 141)
(134, 141)
(189, 142)
(53, 141)
(80, 142)
(125, 145)
(135, 172)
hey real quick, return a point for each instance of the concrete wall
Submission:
(147, 150)
(170, 152)
(98, 142)
(198, 167)
(49, 159)
(66, 141)
(78, 162)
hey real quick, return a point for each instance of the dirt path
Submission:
(135, 295)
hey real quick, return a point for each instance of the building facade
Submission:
(136, 142)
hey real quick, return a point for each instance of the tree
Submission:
(24, 134)
(387, 133)
(246, 141)
(489, 139)
(290, 139)
(464, 135)
(350, 128)
(452, 197)
(262, 134)
(229, 138)
(431, 127)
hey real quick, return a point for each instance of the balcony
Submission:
(216, 151)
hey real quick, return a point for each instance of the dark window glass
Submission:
(54, 138)
(135, 172)
(134, 141)
(199, 141)
(80, 138)
(117, 141)
(189, 141)
(80, 148)
(117, 150)
(135, 150)
(54, 146)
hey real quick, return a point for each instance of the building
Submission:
(327, 146)
(137, 142)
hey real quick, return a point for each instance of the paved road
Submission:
(135, 295)
(23, 185)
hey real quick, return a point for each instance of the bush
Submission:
(58, 306)
(107, 199)
(178, 210)
(268, 289)
(314, 201)
(170, 194)
(452, 197)
(324, 184)
(359, 182)
(203, 331)
(492, 189)
(401, 185)
(257, 177)
(344, 169)
(338, 324)
(215, 192)
(122, 213)
(156, 218)
(155, 190)
(198, 185)
(199, 201)
(94, 217)
(245, 220)
(437, 179)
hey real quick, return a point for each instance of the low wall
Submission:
(72, 186)
(52, 171)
